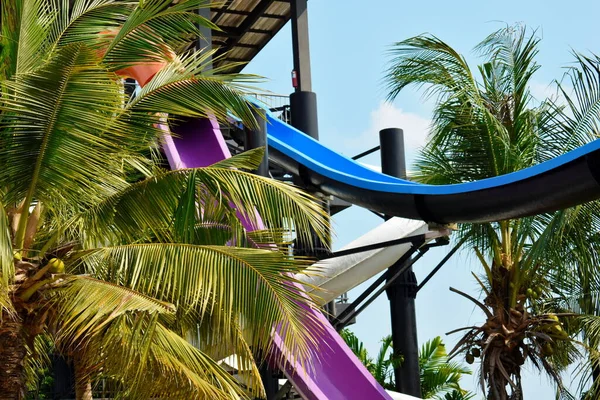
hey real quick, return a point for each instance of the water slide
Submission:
(562, 182)
(337, 374)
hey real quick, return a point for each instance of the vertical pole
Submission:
(402, 293)
(303, 102)
(258, 138)
(205, 34)
(300, 45)
(253, 140)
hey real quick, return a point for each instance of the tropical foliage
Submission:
(439, 376)
(539, 272)
(135, 281)
(382, 367)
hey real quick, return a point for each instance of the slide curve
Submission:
(565, 181)
(336, 372)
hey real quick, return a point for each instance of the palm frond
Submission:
(153, 26)
(37, 362)
(81, 21)
(438, 375)
(83, 305)
(25, 26)
(149, 205)
(427, 61)
(224, 281)
(148, 360)
(576, 112)
(385, 361)
(60, 145)
(514, 50)
(7, 266)
(186, 87)
(229, 347)
(248, 160)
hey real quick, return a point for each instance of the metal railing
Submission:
(278, 104)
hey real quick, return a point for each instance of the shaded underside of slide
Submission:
(565, 181)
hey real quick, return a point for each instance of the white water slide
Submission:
(340, 274)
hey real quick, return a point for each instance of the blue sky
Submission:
(349, 40)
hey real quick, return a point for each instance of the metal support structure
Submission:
(366, 153)
(402, 292)
(204, 34)
(254, 139)
(303, 102)
(420, 238)
(258, 138)
(300, 45)
(351, 311)
(392, 152)
(441, 263)
(303, 110)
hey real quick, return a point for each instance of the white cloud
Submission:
(386, 115)
(542, 91)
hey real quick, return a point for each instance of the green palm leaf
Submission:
(153, 25)
(220, 280)
(56, 147)
(149, 205)
(7, 266)
(185, 87)
(151, 361)
(576, 113)
(438, 375)
(25, 25)
(82, 305)
(80, 21)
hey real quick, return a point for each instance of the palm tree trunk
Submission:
(12, 355)
(83, 384)
(499, 389)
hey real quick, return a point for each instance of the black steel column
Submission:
(303, 102)
(258, 138)
(402, 292)
(253, 140)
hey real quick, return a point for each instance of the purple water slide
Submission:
(336, 373)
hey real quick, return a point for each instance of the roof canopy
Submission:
(247, 26)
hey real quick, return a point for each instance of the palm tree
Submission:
(439, 377)
(487, 124)
(135, 281)
(575, 286)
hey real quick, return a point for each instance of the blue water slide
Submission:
(565, 181)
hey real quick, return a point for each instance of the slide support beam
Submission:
(300, 45)
(204, 40)
(402, 292)
(303, 102)
(253, 140)
(258, 138)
